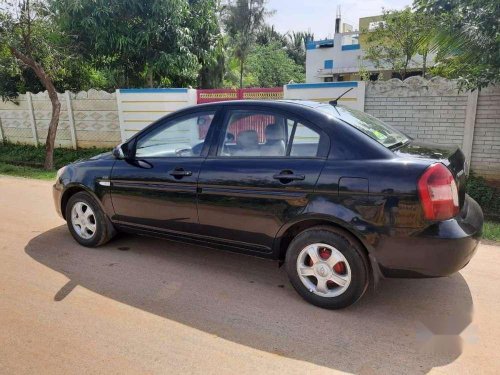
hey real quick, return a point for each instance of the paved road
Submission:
(141, 305)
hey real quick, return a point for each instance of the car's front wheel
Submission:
(326, 269)
(87, 222)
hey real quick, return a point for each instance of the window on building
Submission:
(328, 64)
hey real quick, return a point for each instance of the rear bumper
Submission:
(441, 249)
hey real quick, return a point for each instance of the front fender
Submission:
(89, 176)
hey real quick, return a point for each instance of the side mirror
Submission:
(120, 152)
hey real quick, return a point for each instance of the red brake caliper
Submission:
(339, 268)
(324, 253)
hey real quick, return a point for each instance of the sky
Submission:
(318, 16)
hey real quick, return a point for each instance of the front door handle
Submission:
(288, 176)
(180, 172)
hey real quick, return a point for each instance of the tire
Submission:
(315, 280)
(93, 228)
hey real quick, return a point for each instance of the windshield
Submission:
(371, 126)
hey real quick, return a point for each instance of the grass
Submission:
(491, 231)
(32, 156)
(28, 172)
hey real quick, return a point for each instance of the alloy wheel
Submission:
(323, 270)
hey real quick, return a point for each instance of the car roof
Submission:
(306, 107)
(267, 103)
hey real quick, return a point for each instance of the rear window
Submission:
(371, 126)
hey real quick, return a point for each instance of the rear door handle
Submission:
(180, 172)
(289, 176)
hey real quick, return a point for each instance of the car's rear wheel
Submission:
(87, 222)
(326, 269)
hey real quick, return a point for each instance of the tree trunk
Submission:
(424, 63)
(241, 73)
(56, 105)
(150, 78)
(405, 68)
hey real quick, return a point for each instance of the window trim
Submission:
(324, 143)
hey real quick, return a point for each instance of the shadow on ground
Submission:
(404, 326)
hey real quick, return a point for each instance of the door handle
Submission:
(289, 176)
(180, 172)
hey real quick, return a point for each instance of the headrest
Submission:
(248, 138)
(274, 133)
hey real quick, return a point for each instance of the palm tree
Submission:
(242, 20)
(296, 45)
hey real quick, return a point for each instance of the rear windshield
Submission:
(371, 126)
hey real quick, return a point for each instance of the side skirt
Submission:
(205, 241)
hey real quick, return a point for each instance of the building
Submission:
(341, 58)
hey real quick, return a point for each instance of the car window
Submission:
(266, 134)
(181, 137)
(369, 125)
(305, 140)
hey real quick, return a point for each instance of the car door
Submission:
(258, 176)
(156, 188)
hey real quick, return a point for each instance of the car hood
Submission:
(104, 156)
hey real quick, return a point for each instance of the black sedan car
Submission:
(338, 196)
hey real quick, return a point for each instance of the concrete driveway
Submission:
(142, 305)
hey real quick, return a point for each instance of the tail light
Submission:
(438, 193)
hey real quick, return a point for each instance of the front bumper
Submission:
(441, 249)
(57, 192)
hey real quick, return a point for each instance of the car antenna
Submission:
(334, 102)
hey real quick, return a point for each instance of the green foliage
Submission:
(268, 34)
(398, 39)
(39, 37)
(467, 39)
(487, 196)
(271, 66)
(207, 42)
(491, 231)
(106, 45)
(296, 46)
(31, 156)
(242, 21)
(144, 43)
(27, 172)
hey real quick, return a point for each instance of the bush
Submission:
(31, 156)
(487, 196)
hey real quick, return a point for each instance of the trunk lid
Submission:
(452, 157)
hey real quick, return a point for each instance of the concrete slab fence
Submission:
(431, 110)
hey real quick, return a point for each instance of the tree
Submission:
(268, 34)
(397, 40)
(270, 66)
(147, 42)
(207, 42)
(427, 29)
(242, 21)
(296, 46)
(467, 39)
(28, 32)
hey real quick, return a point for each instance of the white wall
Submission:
(138, 108)
(87, 118)
(346, 61)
